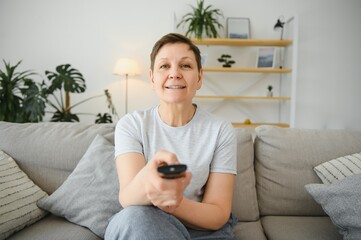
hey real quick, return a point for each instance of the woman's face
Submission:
(175, 77)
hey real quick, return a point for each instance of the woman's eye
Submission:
(164, 66)
(186, 66)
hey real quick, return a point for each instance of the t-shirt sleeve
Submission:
(127, 137)
(225, 154)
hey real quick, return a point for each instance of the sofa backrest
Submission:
(245, 205)
(284, 162)
(48, 152)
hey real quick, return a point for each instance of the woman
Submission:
(198, 204)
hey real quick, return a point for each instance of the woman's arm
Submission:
(140, 184)
(129, 166)
(214, 210)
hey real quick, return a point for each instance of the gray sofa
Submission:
(270, 200)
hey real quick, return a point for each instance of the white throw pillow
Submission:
(339, 168)
(18, 197)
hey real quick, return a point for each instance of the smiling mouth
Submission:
(175, 87)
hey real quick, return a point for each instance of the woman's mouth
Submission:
(175, 87)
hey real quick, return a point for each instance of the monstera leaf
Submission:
(66, 78)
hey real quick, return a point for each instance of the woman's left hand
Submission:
(166, 194)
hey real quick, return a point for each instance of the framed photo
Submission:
(266, 57)
(238, 28)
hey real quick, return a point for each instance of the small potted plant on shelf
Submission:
(202, 21)
(270, 93)
(226, 60)
(247, 121)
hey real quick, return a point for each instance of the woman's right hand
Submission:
(166, 194)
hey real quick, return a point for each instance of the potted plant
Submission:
(21, 98)
(24, 100)
(226, 60)
(203, 20)
(63, 82)
(270, 93)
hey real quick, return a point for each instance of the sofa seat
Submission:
(299, 227)
(54, 228)
(249, 231)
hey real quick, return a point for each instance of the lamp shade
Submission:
(126, 66)
(279, 25)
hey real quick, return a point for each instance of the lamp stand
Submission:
(126, 93)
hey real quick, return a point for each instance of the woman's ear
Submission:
(151, 77)
(200, 77)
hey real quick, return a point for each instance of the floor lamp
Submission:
(126, 67)
(279, 26)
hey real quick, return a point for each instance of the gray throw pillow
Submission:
(89, 196)
(342, 202)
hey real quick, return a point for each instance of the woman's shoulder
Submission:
(210, 118)
(141, 114)
(138, 117)
(212, 123)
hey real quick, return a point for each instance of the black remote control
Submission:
(172, 171)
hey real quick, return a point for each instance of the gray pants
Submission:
(148, 222)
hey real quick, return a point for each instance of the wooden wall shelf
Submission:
(245, 97)
(242, 42)
(253, 125)
(288, 57)
(251, 70)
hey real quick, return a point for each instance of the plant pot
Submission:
(269, 94)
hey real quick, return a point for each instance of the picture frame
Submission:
(238, 28)
(266, 57)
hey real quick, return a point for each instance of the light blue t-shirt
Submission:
(206, 144)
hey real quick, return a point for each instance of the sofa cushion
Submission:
(299, 228)
(339, 168)
(48, 152)
(284, 162)
(18, 197)
(54, 228)
(89, 197)
(245, 205)
(249, 231)
(341, 200)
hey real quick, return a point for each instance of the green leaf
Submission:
(64, 117)
(68, 78)
(105, 118)
(17, 90)
(202, 20)
(34, 103)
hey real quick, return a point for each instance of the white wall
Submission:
(92, 34)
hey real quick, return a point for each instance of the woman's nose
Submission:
(175, 73)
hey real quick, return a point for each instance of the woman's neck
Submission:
(176, 115)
